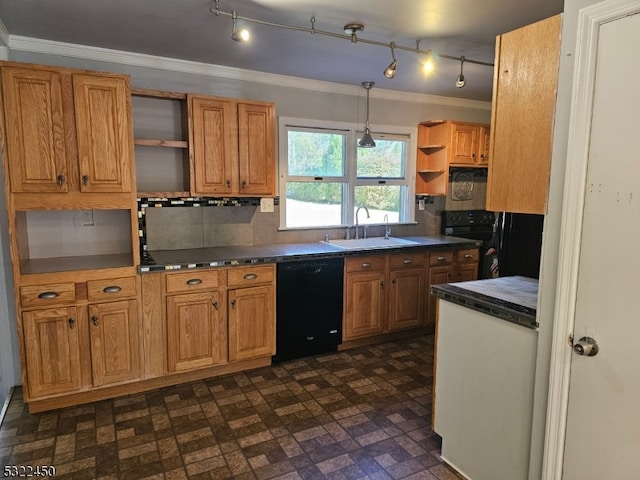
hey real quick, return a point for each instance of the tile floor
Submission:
(363, 413)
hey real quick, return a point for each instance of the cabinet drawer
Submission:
(243, 276)
(194, 280)
(112, 289)
(365, 264)
(46, 295)
(469, 255)
(407, 260)
(440, 258)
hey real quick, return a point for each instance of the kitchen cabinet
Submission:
(447, 266)
(66, 130)
(383, 294)
(364, 296)
(233, 144)
(444, 144)
(196, 320)
(524, 98)
(72, 328)
(251, 307)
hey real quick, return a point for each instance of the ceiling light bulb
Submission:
(428, 64)
(239, 35)
(390, 71)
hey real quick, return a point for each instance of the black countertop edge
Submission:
(495, 307)
(169, 260)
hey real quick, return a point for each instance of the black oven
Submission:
(475, 225)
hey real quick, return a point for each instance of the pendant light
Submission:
(367, 141)
(461, 81)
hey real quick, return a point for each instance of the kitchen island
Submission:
(486, 341)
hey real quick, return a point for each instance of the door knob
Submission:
(586, 346)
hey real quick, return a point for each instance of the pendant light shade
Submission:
(367, 140)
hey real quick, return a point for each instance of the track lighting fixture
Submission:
(367, 141)
(461, 81)
(390, 71)
(351, 31)
(238, 34)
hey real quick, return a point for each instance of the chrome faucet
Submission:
(358, 211)
(387, 230)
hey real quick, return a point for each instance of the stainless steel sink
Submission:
(373, 242)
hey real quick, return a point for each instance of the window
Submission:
(325, 177)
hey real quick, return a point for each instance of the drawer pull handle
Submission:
(250, 276)
(112, 289)
(334, 331)
(408, 261)
(194, 281)
(366, 265)
(72, 323)
(47, 295)
(442, 259)
(95, 320)
(468, 255)
(310, 338)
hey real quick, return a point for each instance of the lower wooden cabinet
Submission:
(383, 293)
(252, 330)
(196, 331)
(52, 348)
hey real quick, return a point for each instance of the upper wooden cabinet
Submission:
(233, 146)
(524, 99)
(443, 144)
(67, 130)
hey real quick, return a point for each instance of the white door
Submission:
(600, 259)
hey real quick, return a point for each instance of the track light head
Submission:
(428, 64)
(390, 71)
(461, 81)
(238, 34)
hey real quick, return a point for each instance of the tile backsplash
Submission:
(174, 228)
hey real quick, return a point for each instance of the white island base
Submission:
(483, 403)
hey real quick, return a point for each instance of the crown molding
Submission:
(48, 47)
(4, 35)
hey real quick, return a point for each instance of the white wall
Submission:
(551, 240)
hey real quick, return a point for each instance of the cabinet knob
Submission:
(60, 180)
(382, 284)
(95, 320)
(244, 184)
(233, 304)
(393, 282)
(228, 183)
(72, 323)
(85, 180)
(215, 304)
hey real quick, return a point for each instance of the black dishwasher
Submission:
(308, 307)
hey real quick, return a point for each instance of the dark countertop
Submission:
(161, 260)
(510, 298)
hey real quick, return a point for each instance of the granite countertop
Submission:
(510, 298)
(161, 260)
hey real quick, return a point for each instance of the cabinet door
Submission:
(104, 133)
(406, 298)
(437, 275)
(51, 343)
(214, 140)
(464, 141)
(257, 150)
(34, 126)
(484, 142)
(115, 345)
(251, 322)
(524, 101)
(196, 336)
(364, 304)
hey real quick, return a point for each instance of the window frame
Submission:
(352, 132)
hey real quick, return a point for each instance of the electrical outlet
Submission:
(87, 218)
(266, 204)
(421, 204)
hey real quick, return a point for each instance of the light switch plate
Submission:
(266, 204)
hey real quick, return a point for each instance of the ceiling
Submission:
(188, 30)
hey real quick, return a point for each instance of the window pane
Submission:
(316, 154)
(385, 160)
(380, 201)
(313, 204)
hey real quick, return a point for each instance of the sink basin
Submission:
(373, 242)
